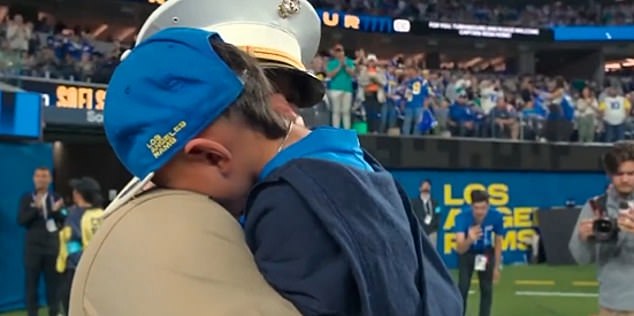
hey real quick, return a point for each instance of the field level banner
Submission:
(516, 194)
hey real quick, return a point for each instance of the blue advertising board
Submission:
(515, 194)
(20, 115)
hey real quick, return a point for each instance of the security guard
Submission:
(84, 218)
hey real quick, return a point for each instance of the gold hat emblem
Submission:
(288, 8)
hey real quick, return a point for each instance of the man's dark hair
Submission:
(253, 105)
(43, 168)
(478, 196)
(428, 181)
(619, 153)
(94, 198)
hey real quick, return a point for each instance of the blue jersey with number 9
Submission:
(417, 92)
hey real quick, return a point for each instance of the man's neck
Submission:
(41, 191)
(424, 196)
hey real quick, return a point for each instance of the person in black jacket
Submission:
(41, 213)
(425, 209)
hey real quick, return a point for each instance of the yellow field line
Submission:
(534, 282)
(585, 283)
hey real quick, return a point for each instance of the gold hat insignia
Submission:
(288, 8)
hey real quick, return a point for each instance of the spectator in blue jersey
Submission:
(503, 119)
(427, 122)
(479, 233)
(560, 112)
(340, 70)
(416, 98)
(462, 117)
(372, 81)
(84, 218)
(393, 97)
(533, 116)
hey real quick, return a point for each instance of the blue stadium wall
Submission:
(516, 194)
(17, 162)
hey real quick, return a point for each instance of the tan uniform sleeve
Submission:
(175, 254)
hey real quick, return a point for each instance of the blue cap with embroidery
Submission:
(168, 90)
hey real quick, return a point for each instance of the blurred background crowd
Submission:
(524, 13)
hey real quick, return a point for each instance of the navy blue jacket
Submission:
(38, 239)
(338, 240)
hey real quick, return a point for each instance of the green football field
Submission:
(531, 291)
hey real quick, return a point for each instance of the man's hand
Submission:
(496, 274)
(58, 205)
(626, 221)
(38, 201)
(585, 229)
(475, 232)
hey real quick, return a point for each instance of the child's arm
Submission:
(297, 255)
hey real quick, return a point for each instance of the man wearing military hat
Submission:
(169, 251)
(429, 289)
(283, 35)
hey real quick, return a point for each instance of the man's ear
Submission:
(209, 152)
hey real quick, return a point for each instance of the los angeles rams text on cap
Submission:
(158, 145)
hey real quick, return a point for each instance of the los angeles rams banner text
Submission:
(516, 194)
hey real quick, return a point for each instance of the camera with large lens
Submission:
(605, 229)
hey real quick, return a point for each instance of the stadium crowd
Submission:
(406, 99)
(42, 50)
(413, 100)
(499, 13)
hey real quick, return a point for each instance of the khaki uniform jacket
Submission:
(171, 253)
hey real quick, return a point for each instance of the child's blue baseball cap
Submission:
(165, 92)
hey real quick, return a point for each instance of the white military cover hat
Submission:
(283, 34)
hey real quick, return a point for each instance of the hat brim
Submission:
(310, 89)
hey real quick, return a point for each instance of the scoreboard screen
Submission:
(20, 115)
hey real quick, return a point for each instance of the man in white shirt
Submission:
(18, 34)
(490, 93)
(615, 110)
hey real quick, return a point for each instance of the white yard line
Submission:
(555, 294)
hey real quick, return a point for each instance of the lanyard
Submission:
(48, 197)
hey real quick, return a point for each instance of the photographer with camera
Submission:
(604, 234)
